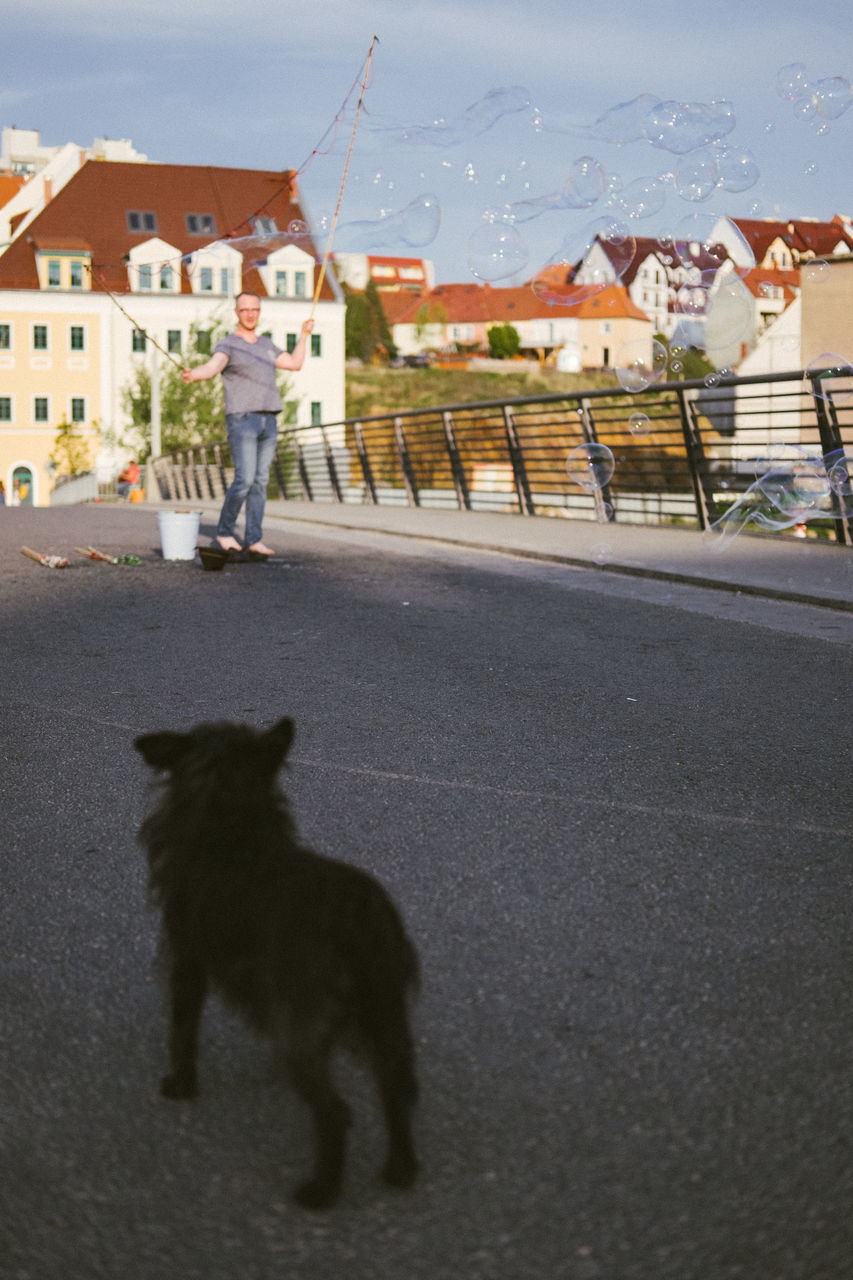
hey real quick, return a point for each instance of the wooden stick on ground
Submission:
(50, 562)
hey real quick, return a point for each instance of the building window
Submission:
(54, 276)
(290, 342)
(225, 280)
(145, 275)
(40, 337)
(206, 280)
(5, 337)
(299, 290)
(78, 408)
(76, 274)
(316, 413)
(141, 220)
(137, 341)
(77, 337)
(41, 409)
(203, 343)
(316, 345)
(281, 282)
(264, 226)
(5, 408)
(166, 277)
(173, 340)
(200, 224)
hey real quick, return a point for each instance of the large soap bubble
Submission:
(591, 466)
(697, 175)
(585, 183)
(627, 121)
(830, 377)
(729, 318)
(496, 250)
(589, 260)
(681, 127)
(737, 169)
(414, 227)
(705, 241)
(477, 119)
(797, 489)
(640, 363)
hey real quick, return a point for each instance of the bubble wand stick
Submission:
(322, 273)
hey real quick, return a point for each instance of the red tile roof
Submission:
(484, 304)
(803, 237)
(92, 209)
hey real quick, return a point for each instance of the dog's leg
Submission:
(188, 988)
(394, 1067)
(306, 1057)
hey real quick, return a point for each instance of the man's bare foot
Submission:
(260, 549)
(228, 544)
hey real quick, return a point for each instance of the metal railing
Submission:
(683, 451)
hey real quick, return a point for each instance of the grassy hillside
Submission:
(381, 390)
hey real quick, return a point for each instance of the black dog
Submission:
(310, 950)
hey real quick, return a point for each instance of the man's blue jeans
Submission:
(252, 437)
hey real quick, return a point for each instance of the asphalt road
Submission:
(617, 817)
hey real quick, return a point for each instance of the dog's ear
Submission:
(161, 750)
(280, 737)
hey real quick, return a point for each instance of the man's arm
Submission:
(294, 359)
(202, 372)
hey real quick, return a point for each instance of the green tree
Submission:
(504, 342)
(366, 328)
(190, 413)
(72, 451)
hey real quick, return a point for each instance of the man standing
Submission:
(248, 364)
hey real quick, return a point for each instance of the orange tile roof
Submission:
(92, 208)
(10, 185)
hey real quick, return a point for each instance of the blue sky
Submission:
(260, 85)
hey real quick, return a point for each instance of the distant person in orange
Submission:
(248, 364)
(127, 479)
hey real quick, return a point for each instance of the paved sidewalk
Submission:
(784, 568)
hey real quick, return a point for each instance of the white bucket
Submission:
(178, 533)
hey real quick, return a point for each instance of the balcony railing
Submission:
(683, 452)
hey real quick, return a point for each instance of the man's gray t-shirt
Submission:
(249, 376)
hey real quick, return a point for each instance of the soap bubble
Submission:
(682, 127)
(588, 261)
(639, 424)
(496, 250)
(833, 97)
(642, 198)
(415, 226)
(737, 169)
(591, 466)
(830, 377)
(585, 183)
(476, 120)
(816, 271)
(707, 240)
(780, 457)
(640, 363)
(625, 122)
(791, 82)
(729, 318)
(696, 175)
(692, 299)
(841, 483)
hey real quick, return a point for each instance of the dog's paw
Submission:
(316, 1195)
(179, 1088)
(400, 1171)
